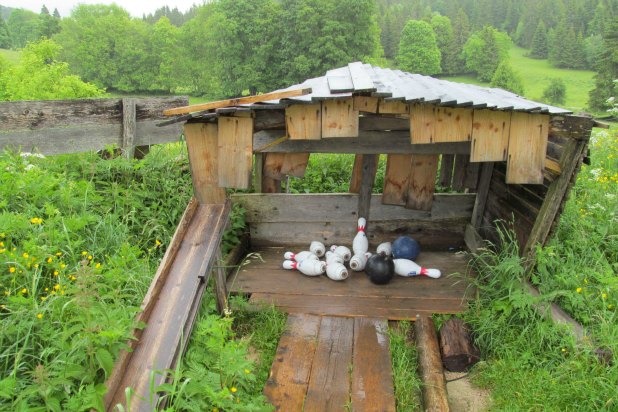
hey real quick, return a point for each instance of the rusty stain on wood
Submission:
(490, 136)
(422, 181)
(396, 179)
(339, 119)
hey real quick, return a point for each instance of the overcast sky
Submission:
(136, 8)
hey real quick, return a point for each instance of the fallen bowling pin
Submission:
(406, 267)
(336, 271)
(358, 262)
(317, 248)
(309, 267)
(300, 256)
(360, 244)
(385, 249)
(342, 251)
(332, 257)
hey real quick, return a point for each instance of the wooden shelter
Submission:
(500, 157)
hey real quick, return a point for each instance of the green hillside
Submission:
(536, 75)
(10, 55)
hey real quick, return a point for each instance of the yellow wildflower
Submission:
(36, 221)
(578, 290)
(50, 259)
(7, 293)
(56, 273)
(2, 235)
(157, 243)
(97, 266)
(84, 253)
(24, 291)
(2, 250)
(36, 265)
(56, 286)
(603, 295)
(58, 254)
(43, 298)
(25, 255)
(1, 244)
(39, 316)
(233, 389)
(12, 269)
(62, 266)
(247, 371)
(89, 257)
(610, 306)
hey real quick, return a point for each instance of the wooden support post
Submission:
(481, 194)
(434, 385)
(357, 174)
(446, 170)
(258, 167)
(202, 146)
(129, 126)
(221, 285)
(370, 167)
(459, 172)
(572, 157)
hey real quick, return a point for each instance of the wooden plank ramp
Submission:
(327, 363)
(169, 308)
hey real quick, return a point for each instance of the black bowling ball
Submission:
(380, 269)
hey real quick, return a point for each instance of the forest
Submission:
(227, 48)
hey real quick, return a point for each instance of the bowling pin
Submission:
(336, 271)
(342, 251)
(360, 244)
(358, 262)
(406, 267)
(332, 257)
(309, 267)
(384, 249)
(317, 248)
(300, 256)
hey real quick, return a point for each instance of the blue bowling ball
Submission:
(404, 247)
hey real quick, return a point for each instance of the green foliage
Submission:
(23, 27)
(607, 70)
(47, 24)
(418, 50)
(555, 92)
(39, 75)
(485, 50)
(461, 32)
(5, 36)
(404, 360)
(506, 78)
(566, 47)
(445, 39)
(538, 48)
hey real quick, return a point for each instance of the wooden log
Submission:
(458, 352)
(434, 385)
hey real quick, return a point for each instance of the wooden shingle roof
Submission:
(396, 85)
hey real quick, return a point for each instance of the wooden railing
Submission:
(71, 126)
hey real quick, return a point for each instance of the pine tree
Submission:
(538, 48)
(506, 78)
(5, 36)
(605, 79)
(446, 43)
(461, 33)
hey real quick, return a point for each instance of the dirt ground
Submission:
(463, 396)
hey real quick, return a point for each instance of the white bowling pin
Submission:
(358, 262)
(360, 245)
(332, 257)
(309, 267)
(406, 267)
(300, 256)
(342, 251)
(336, 271)
(317, 248)
(385, 249)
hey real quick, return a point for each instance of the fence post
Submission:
(129, 123)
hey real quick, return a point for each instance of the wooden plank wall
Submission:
(286, 219)
(72, 126)
(518, 205)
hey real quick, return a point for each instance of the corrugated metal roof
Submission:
(396, 85)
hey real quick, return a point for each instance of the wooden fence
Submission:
(71, 126)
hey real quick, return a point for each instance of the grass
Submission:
(529, 362)
(11, 56)
(536, 75)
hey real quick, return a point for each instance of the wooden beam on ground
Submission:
(372, 390)
(434, 385)
(458, 351)
(236, 101)
(289, 376)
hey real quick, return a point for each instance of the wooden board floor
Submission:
(326, 363)
(403, 298)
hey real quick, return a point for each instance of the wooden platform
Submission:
(403, 298)
(326, 363)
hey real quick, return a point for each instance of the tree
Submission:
(418, 49)
(445, 40)
(538, 48)
(5, 36)
(461, 32)
(39, 75)
(566, 47)
(22, 25)
(485, 50)
(506, 78)
(555, 92)
(47, 24)
(605, 85)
